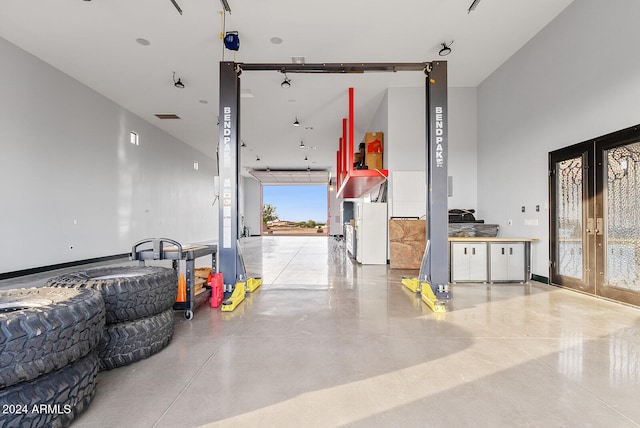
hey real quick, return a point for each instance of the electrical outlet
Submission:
(537, 208)
(523, 209)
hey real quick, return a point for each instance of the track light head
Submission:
(446, 49)
(286, 83)
(177, 83)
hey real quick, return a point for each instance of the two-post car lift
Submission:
(435, 265)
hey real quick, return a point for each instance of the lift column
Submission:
(435, 263)
(230, 263)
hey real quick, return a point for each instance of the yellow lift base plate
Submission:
(239, 293)
(253, 284)
(427, 294)
(411, 283)
(236, 297)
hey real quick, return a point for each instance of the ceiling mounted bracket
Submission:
(225, 5)
(175, 4)
(473, 6)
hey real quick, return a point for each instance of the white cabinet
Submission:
(350, 239)
(468, 261)
(507, 261)
(371, 233)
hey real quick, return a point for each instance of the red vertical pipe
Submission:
(345, 151)
(351, 127)
(339, 167)
(340, 161)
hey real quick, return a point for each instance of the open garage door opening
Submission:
(294, 210)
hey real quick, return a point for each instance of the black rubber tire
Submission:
(127, 342)
(129, 292)
(44, 329)
(52, 400)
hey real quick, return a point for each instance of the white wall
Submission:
(70, 178)
(463, 148)
(252, 204)
(401, 116)
(579, 78)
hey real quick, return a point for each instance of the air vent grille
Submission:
(167, 116)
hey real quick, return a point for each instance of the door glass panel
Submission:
(623, 217)
(569, 222)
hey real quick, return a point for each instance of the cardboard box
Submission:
(374, 142)
(373, 160)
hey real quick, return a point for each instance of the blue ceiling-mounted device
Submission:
(232, 41)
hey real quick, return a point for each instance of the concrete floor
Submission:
(326, 343)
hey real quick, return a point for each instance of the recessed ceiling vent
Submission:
(167, 116)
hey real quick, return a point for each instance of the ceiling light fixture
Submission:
(257, 158)
(286, 83)
(177, 83)
(473, 5)
(306, 158)
(446, 49)
(301, 145)
(295, 122)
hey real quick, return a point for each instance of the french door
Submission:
(594, 190)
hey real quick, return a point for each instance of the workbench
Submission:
(168, 249)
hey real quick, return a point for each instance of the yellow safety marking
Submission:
(236, 297)
(411, 283)
(430, 299)
(253, 284)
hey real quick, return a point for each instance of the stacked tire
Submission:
(48, 361)
(139, 314)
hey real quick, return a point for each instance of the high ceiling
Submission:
(95, 42)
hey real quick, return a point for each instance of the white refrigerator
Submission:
(371, 233)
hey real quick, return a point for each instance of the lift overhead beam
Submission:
(358, 67)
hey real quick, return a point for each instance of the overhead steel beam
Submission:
(359, 67)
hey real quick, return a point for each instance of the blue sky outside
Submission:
(297, 203)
